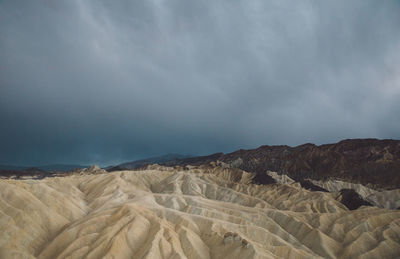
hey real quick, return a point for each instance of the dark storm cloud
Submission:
(107, 81)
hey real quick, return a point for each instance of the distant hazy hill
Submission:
(48, 168)
(61, 167)
(12, 167)
(152, 160)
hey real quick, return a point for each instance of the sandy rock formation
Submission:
(185, 214)
(389, 199)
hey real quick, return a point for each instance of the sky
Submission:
(104, 82)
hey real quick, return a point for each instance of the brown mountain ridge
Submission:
(371, 162)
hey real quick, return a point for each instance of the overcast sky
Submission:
(103, 81)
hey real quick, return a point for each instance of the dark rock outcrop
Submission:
(263, 178)
(306, 184)
(351, 199)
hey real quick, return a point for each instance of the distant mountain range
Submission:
(47, 168)
(371, 162)
(172, 158)
(169, 158)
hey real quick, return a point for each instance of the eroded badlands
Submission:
(205, 212)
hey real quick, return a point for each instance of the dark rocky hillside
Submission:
(372, 162)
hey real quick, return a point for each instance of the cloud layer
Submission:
(109, 81)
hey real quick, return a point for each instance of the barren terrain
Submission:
(192, 212)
